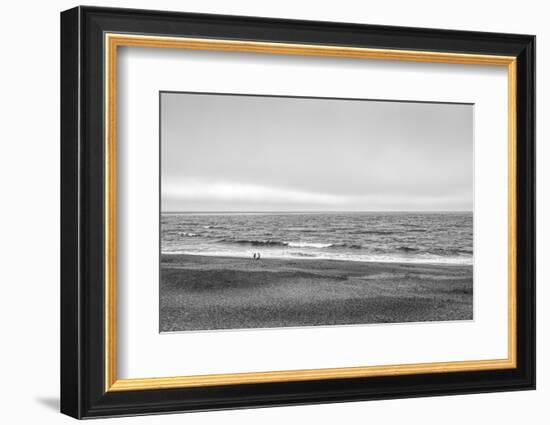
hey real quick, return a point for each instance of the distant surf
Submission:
(432, 238)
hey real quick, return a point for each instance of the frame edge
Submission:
(70, 347)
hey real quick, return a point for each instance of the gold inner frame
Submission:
(113, 41)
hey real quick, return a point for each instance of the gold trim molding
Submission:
(113, 41)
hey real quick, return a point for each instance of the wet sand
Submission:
(200, 293)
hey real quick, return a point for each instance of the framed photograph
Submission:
(261, 212)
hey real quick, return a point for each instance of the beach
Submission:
(215, 292)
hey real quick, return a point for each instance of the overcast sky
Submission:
(252, 153)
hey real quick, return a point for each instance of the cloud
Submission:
(202, 194)
(194, 190)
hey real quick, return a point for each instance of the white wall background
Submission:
(29, 217)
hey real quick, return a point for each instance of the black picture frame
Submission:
(83, 392)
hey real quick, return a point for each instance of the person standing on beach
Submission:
(258, 255)
(254, 255)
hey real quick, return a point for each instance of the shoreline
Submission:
(209, 293)
(308, 258)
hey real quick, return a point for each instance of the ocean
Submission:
(431, 238)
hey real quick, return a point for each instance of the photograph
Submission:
(344, 208)
(279, 211)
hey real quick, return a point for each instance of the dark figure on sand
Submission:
(256, 255)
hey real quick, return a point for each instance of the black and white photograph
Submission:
(294, 211)
(280, 207)
(276, 206)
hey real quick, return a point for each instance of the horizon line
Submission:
(317, 211)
